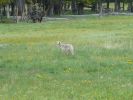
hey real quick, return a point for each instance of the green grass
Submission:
(32, 68)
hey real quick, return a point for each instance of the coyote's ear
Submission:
(58, 42)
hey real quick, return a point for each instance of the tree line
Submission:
(58, 7)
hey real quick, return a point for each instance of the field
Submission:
(33, 68)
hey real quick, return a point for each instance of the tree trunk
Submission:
(4, 10)
(49, 7)
(101, 8)
(50, 11)
(94, 7)
(58, 7)
(0, 13)
(108, 4)
(61, 6)
(7, 11)
(130, 6)
(123, 6)
(26, 9)
(12, 9)
(43, 6)
(20, 5)
(17, 15)
(80, 8)
(74, 7)
(0, 10)
(117, 5)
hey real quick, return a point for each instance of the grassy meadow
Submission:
(33, 68)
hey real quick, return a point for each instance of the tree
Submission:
(5, 5)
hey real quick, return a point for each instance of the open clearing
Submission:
(33, 68)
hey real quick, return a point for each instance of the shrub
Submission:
(7, 20)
